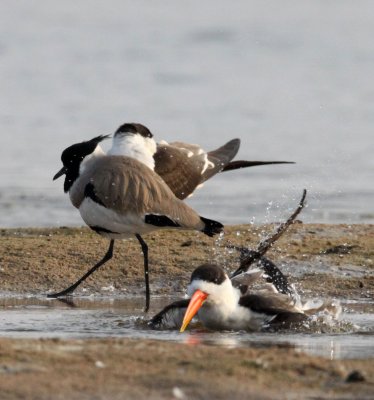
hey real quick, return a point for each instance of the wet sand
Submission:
(121, 369)
(327, 260)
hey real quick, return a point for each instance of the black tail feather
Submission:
(245, 164)
(211, 227)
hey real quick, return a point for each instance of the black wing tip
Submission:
(89, 192)
(100, 230)
(232, 146)
(211, 227)
(100, 138)
(235, 142)
(156, 321)
(246, 164)
(160, 220)
(275, 276)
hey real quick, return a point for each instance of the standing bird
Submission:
(119, 196)
(183, 167)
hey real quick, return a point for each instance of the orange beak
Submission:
(196, 302)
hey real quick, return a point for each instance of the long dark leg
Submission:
(146, 272)
(70, 289)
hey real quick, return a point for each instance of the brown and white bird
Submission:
(255, 299)
(250, 299)
(221, 303)
(183, 167)
(119, 197)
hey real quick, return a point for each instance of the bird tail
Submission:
(211, 227)
(245, 164)
(220, 157)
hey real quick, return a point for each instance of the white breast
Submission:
(134, 146)
(122, 225)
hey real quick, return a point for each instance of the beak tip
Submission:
(195, 303)
(60, 173)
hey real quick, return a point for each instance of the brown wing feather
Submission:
(179, 171)
(271, 303)
(127, 185)
(183, 166)
(274, 304)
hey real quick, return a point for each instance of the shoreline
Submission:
(113, 369)
(330, 260)
(49, 259)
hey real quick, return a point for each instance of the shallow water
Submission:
(91, 317)
(292, 79)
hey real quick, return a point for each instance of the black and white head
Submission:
(209, 285)
(136, 141)
(133, 129)
(74, 156)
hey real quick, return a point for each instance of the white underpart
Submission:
(221, 310)
(134, 146)
(122, 225)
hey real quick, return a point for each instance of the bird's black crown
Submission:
(209, 273)
(134, 128)
(78, 151)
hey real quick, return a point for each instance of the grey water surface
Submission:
(292, 79)
(90, 317)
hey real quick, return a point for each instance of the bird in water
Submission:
(221, 303)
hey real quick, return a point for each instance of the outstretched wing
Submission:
(185, 166)
(179, 168)
(278, 307)
(220, 158)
